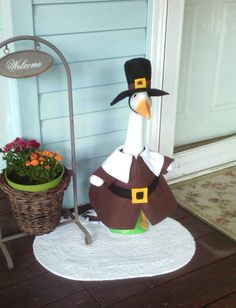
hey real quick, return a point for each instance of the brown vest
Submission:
(118, 204)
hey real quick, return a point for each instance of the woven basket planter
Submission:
(37, 213)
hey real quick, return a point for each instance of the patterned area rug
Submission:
(212, 198)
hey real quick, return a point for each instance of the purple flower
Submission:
(20, 144)
(33, 144)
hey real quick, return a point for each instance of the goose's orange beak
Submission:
(143, 108)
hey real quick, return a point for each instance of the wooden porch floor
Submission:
(209, 280)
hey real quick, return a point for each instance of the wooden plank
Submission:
(23, 93)
(197, 227)
(209, 249)
(86, 125)
(98, 45)
(19, 246)
(25, 267)
(207, 252)
(226, 302)
(19, 23)
(179, 213)
(63, 1)
(8, 224)
(192, 290)
(110, 292)
(28, 100)
(38, 291)
(80, 299)
(85, 74)
(90, 147)
(88, 17)
(54, 104)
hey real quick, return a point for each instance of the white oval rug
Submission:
(164, 248)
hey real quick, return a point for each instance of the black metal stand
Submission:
(88, 238)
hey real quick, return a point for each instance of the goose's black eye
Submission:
(135, 95)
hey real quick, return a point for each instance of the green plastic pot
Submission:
(37, 187)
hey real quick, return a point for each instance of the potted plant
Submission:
(35, 181)
(28, 168)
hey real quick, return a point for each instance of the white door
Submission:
(206, 106)
(198, 117)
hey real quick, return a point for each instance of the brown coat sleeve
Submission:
(167, 162)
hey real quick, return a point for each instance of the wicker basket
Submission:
(37, 213)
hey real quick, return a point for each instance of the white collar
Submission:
(118, 163)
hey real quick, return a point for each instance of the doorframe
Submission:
(164, 35)
(165, 51)
(155, 52)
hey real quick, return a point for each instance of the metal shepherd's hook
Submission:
(37, 40)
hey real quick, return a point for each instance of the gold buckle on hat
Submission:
(140, 83)
(135, 195)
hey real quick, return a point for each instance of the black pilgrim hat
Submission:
(138, 73)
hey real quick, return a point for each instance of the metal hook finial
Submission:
(37, 46)
(6, 50)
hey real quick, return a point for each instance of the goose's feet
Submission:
(91, 216)
(141, 226)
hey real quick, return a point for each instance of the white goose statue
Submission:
(129, 189)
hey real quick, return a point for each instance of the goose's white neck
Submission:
(134, 143)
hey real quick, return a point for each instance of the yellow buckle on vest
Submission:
(140, 83)
(139, 195)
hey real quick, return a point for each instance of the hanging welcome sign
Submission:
(22, 64)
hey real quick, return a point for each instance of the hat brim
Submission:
(128, 93)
